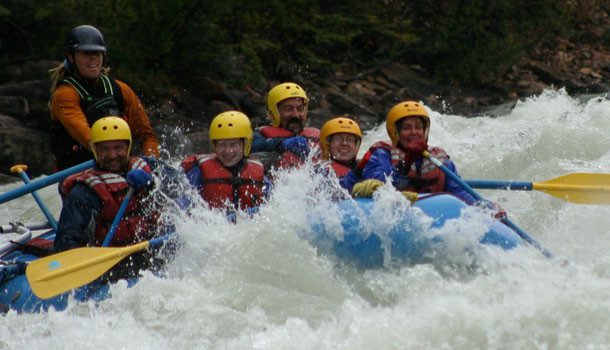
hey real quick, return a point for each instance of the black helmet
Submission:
(85, 38)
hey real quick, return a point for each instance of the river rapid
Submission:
(259, 284)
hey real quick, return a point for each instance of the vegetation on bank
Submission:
(182, 42)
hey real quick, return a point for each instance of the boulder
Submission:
(23, 145)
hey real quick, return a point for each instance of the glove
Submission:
(410, 196)
(138, 179)
(414, 151)
(297, 145)
(365, 189)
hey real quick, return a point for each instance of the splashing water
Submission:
(259, 284)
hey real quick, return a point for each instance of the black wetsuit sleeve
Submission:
(76, 226)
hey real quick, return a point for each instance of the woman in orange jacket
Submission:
(82, 93)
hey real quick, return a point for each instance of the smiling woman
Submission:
(82, 93)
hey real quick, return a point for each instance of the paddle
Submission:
(74, 268)
(117, 218)
(45, 181)
(581, 188)
(468, 189)
(20, 170)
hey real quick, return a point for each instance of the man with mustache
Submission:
(92, 198)
(287, 138)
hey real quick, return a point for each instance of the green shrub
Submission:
(155, 43)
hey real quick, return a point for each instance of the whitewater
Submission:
(259, 283)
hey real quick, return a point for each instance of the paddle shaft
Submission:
(117, 218)
(579, 188)
(476, 196)
(44, 182)
(504, 185)
(20, 169)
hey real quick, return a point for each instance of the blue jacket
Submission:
(262, 144)
(379, 166)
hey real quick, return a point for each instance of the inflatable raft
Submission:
(16, 292)
(358, 241)
(368, 244)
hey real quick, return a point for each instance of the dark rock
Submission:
(15, 106)
(343, 103)
(37, 94)
(22, 145)
(29, 70)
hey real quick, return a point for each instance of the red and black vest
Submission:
(289, 159)
(425, 178)
(220, 186)
(97, 101)
(111, 188)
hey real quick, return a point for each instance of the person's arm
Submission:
(262, 144)
(194, 177)
(350, 179)
(139, 122)
(66, 109)
(379, 166)
(453, 187)
(76, 226)
(170, 181)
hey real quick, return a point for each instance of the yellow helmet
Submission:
(406, 109)
(109, 129)
(278, 94)
(335, 126)
(232, 125)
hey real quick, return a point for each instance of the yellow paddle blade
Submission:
(74, 268)
(582, 188)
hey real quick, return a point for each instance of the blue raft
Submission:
(16, 294)
(374, 247)
(365, 248)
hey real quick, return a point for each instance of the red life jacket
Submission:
(221, 187)
(340, 169)
(111, 188)
(289, 159)
(427, 178)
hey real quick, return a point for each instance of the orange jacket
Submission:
(65, 108)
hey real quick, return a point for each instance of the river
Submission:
(259, 285)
